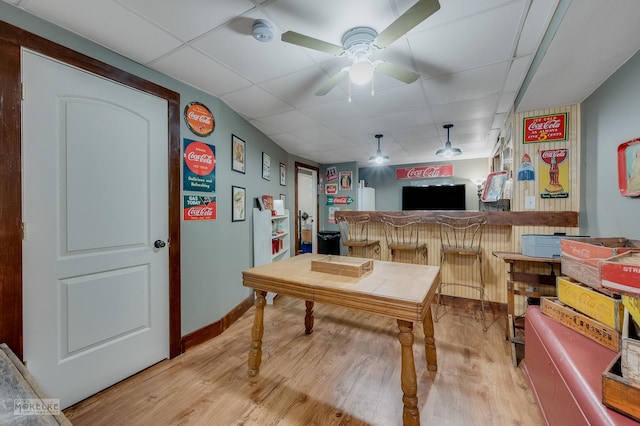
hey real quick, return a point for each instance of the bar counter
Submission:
(501, 234)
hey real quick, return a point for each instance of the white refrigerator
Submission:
(366, 198)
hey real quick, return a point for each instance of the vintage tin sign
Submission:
(199, 119)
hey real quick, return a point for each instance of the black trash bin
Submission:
(329, 242)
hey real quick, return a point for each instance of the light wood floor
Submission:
(347, 372)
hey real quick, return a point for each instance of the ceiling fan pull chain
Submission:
(373, 79)
(349, 91)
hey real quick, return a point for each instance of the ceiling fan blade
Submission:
(333, 81)
(405, 22)
(312, 43)
(397, 72)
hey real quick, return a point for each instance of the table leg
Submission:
(510, 299)
(430, 342)
(308, 318)
(255, 353)
(410, 413)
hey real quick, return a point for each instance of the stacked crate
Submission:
(603, 276)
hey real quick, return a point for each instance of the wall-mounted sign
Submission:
(425, 172)
(554, 183)
(545, 128)
(199, 166)
(199, 208)
(331, 188)
(336, 200)
(199, 119)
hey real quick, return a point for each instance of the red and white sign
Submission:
(199, 208)
(545, 128)
(425, 172)
(199, 158)
(199, 119)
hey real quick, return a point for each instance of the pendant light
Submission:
(447, 151)
(378, 158)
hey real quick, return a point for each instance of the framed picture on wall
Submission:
(266, 166)
(238, 203)
(283, 174)
(238, 154)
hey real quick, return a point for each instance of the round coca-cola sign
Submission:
(199, 158)
(199, 119)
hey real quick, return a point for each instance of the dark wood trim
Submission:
(217, 328)
(566, 219)
(11, 39)
(11, 196)
(299, 165)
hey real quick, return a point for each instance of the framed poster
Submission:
(238, 201)
(237, 154)
(283, 174)
(629, 168)
(266, 166)
(345, 181)
(494, 186)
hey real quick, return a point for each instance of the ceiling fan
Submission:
(359, 43)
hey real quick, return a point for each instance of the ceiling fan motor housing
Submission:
(358, 42)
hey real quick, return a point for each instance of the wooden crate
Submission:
(343, 265)
(620, 394)
(632, 304)
(581, 258)
(622, 273)
(591, 250)
(630, 349)
(594, 330)
(601, 307)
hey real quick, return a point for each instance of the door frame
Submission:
(12, 39)
(298, 166)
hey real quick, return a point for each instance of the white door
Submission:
(95, 199)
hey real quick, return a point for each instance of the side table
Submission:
(524, 284)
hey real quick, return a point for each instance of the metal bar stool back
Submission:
(462, 236)
(354, 232)
(402, 236)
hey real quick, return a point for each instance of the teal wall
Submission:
(609, 117)
(213, 252)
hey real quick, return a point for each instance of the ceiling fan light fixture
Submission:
(448, 150)
(361, 72)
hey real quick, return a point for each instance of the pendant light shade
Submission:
(378, 158)
(448, 151)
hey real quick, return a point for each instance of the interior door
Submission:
(95, 213)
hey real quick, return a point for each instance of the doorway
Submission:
(306, 204)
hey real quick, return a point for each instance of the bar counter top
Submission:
(508, 218)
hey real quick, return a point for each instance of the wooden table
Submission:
(528, 279)
(397, 290)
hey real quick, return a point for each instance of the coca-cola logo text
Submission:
(425, 172)
(200, 158)
(550, 124)
(200, 118)
(200, 212)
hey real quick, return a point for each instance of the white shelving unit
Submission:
(267, 231)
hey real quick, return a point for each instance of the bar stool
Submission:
(401, 233)
(354, 232)
(461, 236)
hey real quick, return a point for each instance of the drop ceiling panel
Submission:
(470, 84)
(289, 121)
(331, 113)
(467, 39)
(210, 77)
(467, 110)
(389, 101)
(255, 60)
(108, 24)
(188, 19)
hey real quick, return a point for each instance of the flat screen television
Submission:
(434, 197)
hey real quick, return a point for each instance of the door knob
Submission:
(159, 244)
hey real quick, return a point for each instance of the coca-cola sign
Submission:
(425, 172)
(199, 119)
(559, 154)
(545, 128)
(199, 172)
(199, 208)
